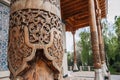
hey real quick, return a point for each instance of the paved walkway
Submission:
(85, 75)
(115, 77)
(80, 76)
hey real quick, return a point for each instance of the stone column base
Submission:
(104, 70)
(98, 74)
(75, 68)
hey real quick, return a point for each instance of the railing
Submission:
(82, 68)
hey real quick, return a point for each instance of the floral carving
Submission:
(31, 30)
(39, 23)
(56, 50)
(17, 48)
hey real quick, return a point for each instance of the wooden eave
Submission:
(75, 13)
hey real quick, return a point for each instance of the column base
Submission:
(104, 70)
(75, 68)
(98, 74)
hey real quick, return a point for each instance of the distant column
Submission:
(65, 63)
(75, 68)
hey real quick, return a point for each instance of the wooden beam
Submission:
(80, 12)
(74, 6)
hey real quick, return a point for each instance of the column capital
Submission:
(73, 32)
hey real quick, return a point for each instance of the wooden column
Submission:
(101, 43)
(35, 49)
(99, 29)
(75, 57)
(94, 35)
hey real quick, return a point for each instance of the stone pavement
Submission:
(85, 75)
(115, 77)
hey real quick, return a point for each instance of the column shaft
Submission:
(99, 29)
(94, 35)
(75, 68)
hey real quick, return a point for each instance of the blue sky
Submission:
(113, 10)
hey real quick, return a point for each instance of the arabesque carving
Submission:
(33, 30)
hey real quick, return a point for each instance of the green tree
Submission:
(78, 53)
(112, 42)
(117, 31)
(84, 43)
(70, 59)
(117, 56)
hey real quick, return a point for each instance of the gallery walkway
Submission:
(81, 75)
(86, 75)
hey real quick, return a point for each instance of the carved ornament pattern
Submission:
(17, 50)
(56, 50)
(39, 23)
(32, 29)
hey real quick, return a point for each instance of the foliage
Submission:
(112, 44)
(111, 36)
(117, 30)
(85, 45)
(70, 59)
(117, 66)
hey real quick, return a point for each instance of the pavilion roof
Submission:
(75, 13)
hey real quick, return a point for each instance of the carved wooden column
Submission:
(99, 29)
(75, 68)
(35, 40)
(94, 35)
(101, 43)
(95, 43)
